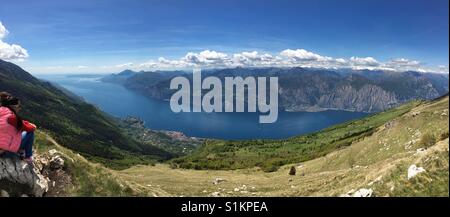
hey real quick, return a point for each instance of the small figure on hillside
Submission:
(292, 171)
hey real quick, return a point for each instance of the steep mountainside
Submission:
(318, 89)
(74, 123)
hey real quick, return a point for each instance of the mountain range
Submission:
(307, 89)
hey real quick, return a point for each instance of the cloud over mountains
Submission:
(285, 58)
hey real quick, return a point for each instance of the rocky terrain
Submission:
(45, 176)
(58, 171)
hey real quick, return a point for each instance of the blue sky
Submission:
(106, 36)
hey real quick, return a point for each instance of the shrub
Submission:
(427, 140)
(173, 166)
(269, 168)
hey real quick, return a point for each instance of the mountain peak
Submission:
(126, 72)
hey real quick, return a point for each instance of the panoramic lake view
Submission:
(121, 102)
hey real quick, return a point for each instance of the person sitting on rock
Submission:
(16, 135)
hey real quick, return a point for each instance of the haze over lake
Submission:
(121, 102)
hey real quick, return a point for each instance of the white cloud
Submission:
(443, 69)
(303, 55)
(253, 59)
(364, 62)
(205, 58)
(10, 51)
(403, 64)
(125, 65)
(163, 63)
(3, 31)
(341, 61)
(286, 58)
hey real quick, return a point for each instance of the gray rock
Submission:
(215, 194)
(52, 152)
(363, 192)
(56, 162)
(3, 193)
(18, 178)
(413, 170)
(218, 180)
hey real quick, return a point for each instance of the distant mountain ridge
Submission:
(304, 89)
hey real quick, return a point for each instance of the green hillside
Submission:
(271, 154)
(76, 124)
(378, 162)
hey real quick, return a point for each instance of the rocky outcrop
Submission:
(363, 192)
(19, 178)
(413, 171)
(46, 176)
(369, 98)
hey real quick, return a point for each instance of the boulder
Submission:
(52, 152)
(18, 178)
(363, 192)
(218, 180)
(3, 193)
(413, 170)
(56, 162)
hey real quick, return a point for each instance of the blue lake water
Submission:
(121, 102)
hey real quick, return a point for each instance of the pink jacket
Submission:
(10, 137)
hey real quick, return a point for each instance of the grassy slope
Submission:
(387, 154)
(271, 154)
(91, 179)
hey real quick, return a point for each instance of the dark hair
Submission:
(7, 100)
(4, 96)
